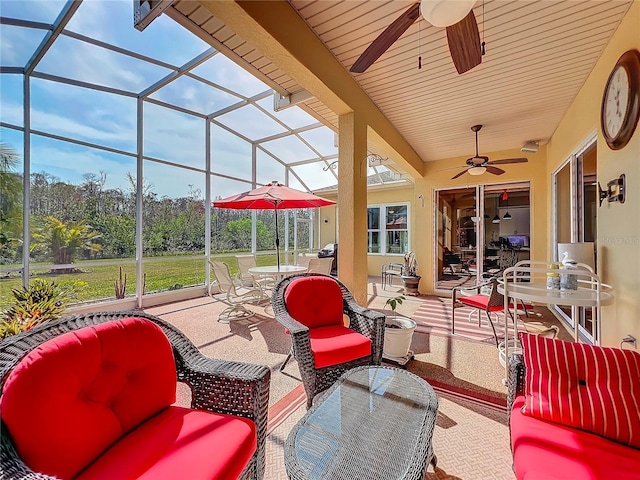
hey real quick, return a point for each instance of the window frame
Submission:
(383, 231)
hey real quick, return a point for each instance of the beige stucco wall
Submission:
(618, 225)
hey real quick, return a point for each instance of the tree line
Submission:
(70, 222)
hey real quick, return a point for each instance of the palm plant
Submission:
(63, 241)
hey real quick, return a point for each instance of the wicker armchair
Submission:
(233, 388)
(368, 323)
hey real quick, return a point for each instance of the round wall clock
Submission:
(621, 101)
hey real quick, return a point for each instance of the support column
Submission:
(352, 204)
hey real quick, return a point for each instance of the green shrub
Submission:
(40, 302)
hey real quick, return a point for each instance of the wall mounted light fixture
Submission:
(616, 190)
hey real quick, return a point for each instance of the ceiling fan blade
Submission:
(504, 161)
(494, 170)
(459, 174)
(464, 43)
(386, 39)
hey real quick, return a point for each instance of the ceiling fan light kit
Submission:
(463, 36)
(444, 13)
(476, 170)
(479, 164)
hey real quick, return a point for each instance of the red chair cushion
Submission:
(74, 395)
(179, 443)
(315, 301)
(479, 301)
(596, 389)
(337, 344)
(546, 450)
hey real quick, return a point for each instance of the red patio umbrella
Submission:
(273, 196)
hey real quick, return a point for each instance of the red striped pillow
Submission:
(596, 389)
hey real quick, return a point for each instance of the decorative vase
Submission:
(411, 284)
(398, 333)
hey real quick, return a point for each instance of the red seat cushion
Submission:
(315, 301)
(179, 443)
(71, 397)
(546, 450)
(593, 388)
(479, 301)
(337, 344)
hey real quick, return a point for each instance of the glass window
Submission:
(251, 122)
(78, 60)
(18, 44)
(397, 238)
(230, 155)
(322, 139)
(195, 96)
(390, 236)
(222, 71)
(373, 227)
(173, 229)
(112, 22)
(289, 149)
(173, 136)
(294, 117)
(45, 11)
(315, 175)
(268, 168)
(11, 98)
(84, 114)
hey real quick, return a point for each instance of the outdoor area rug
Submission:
(471, 439)
(434, 316)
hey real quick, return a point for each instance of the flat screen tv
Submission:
(518, 240)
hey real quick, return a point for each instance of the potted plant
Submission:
(398, 332)
(410, 277)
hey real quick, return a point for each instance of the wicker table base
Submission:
(373, 423)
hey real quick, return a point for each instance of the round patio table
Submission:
(374, 423)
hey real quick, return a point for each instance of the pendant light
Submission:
(505, 197)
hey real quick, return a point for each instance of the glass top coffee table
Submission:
(373, 423)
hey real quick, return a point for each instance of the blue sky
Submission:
(109, 120)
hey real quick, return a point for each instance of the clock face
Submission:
(616, 102)
(620, 109)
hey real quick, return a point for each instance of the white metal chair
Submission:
(245, 262)
(246, 279)
(320, 265)
(237, 296)
(303, 259)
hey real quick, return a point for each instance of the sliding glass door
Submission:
(480, 231)
(575, 205)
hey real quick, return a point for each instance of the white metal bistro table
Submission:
(273, 271)
(590, 293)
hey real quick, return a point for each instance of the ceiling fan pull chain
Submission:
(482, 49)
(419, 45)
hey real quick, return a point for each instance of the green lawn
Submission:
(162, 273)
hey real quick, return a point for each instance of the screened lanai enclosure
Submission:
(116, 141)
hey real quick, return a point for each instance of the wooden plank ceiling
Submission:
(538, 55)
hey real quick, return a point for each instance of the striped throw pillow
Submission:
(596, 389)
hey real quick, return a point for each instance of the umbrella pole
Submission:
(277, 239)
